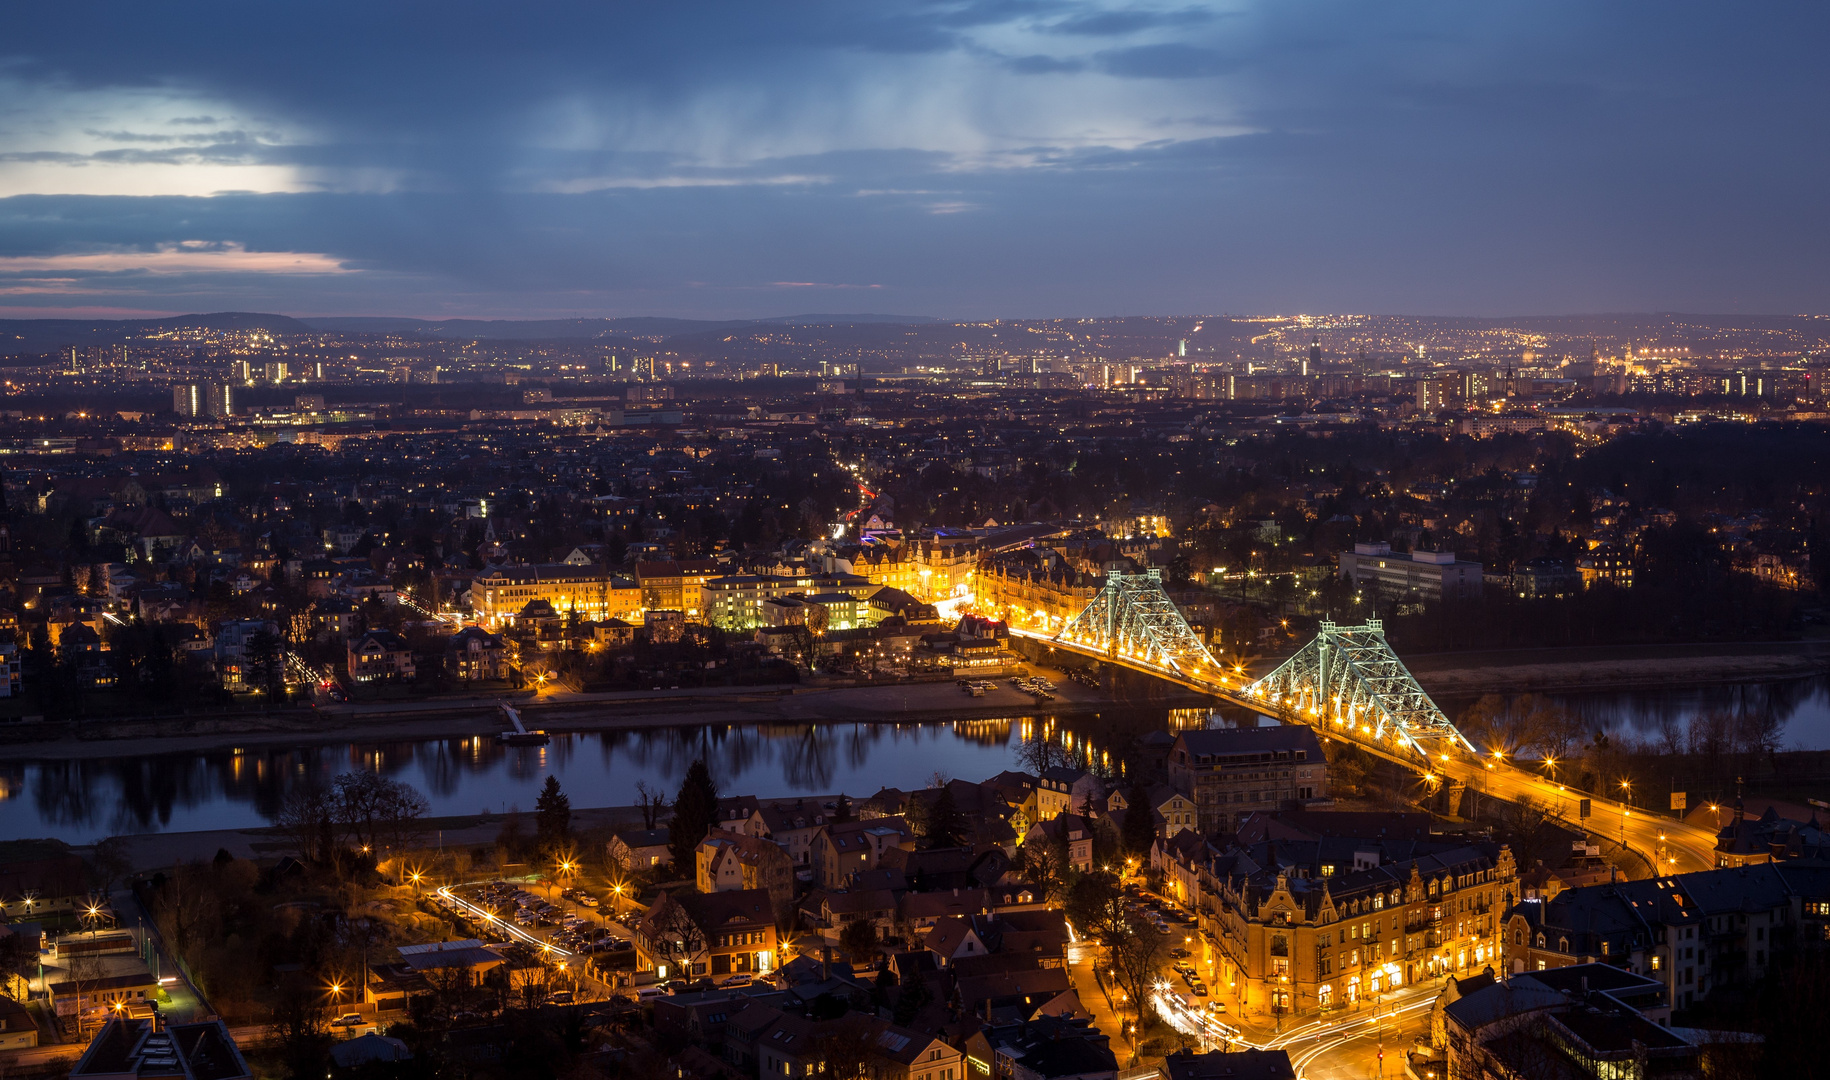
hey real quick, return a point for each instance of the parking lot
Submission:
(563, 926)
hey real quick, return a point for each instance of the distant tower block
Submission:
(1315, 355)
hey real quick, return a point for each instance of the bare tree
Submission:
(306, 817)
(651, 801)
(1532, 829)
(1133, 956)
(372, 808)
(847, 1050)
(1044, 865)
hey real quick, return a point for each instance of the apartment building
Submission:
(1693, 932)
(1231, 773)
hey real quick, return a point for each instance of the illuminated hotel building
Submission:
(498, 594)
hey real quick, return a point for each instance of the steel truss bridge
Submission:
(1346, 680)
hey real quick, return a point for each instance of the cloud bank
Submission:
(959, 157)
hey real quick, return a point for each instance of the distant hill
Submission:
(48, 335)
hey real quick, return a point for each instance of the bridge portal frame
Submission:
(1349, 678)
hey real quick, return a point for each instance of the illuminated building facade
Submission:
(1286, 938)
(498, 594)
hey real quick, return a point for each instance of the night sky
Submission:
(952, 159)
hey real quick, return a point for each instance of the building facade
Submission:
(1231, 773)
(1693, 932)
(1432, 575)
(498, 595)
(1281, 941)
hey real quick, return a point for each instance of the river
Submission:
(84, 800)
(80, 801)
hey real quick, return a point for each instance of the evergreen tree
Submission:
(552, 818)
(914, 995)
(1139, 831)
(946, 825)
(695, 812)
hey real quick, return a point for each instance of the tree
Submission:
(1042, 752)
(552, 818)
(946, 825)
(1096, 906)
(1532, 830)
(266, 664)
(695, 813)
(1139, 831)
(915, 994)
(305, 816)
(847, 1049)
(1134, 953)
(1044, 864)
(651, 801)
(373, 809)
(509, 838)
(18, 959)
(110, 862)
(859, 940)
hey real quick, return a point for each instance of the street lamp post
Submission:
(1626, 811)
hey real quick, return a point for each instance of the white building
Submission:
(1430, 574)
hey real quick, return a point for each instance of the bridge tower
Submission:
(1133, 621)
(1349, 679)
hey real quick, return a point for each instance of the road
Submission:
(1354, 1046)
(1678, 848)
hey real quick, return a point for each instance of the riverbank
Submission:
(1627, 667)
(907, 703)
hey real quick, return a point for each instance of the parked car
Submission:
(348, 1020)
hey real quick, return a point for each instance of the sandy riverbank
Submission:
(1642, 667)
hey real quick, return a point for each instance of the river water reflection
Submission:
(82, 801)
(1798, 709)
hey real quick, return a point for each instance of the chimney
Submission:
(1585, 986)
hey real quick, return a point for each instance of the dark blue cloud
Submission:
(1128, 21)
(1041, 64)
(961, 158)
(1166, 61)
